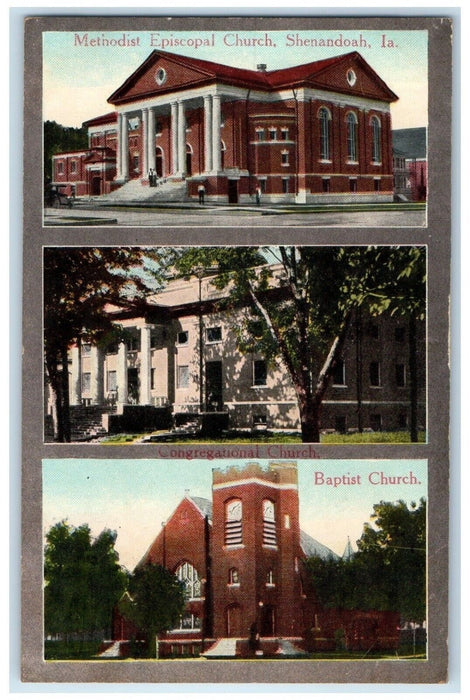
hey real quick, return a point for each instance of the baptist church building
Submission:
(241, 557)
(314, 133)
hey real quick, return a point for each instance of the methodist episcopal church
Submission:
(314, 133)
(241, 558)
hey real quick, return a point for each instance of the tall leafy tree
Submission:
(83, 581)
(388, 572)
(155, 603)
(78, 285)
(301, 311)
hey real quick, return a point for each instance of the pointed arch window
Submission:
(324, 118)
(376, 129)
(190, 578)
(351, 124)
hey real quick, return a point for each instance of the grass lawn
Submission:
(240, 438)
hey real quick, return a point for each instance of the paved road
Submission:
(234, 217)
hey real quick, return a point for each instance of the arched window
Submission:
(351, 122)
(324, 118)
(269, 524)
(233, 577)
(190, 577)
(270, 577)
(233, 522)
(376, 140)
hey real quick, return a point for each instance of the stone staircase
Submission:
(112, 652)
(86, 422)
(223, 648)
(135, 191)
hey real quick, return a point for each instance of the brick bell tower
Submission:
(255, 551)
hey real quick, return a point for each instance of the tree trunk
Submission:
(413, 365)
(59, 383)
(309, 410)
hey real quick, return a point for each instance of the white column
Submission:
(97, 388)
(121, 374)
(76, 377)
(181, 139)
(125, 148)
(207, 133)
(151, 139)
(216, 120)
(119, 149)
(145, 142)
(174, 138)
(145, 372)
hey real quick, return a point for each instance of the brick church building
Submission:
(314, 133)
(241, 558)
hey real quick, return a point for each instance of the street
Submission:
(193, 215)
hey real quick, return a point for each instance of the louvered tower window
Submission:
(233, 522)
(269, 524)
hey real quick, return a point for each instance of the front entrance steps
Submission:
(112, 652)
(268, 648)
(135, 191)
(225, 648)
(87, 422)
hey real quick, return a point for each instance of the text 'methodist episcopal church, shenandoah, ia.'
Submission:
(314, 133)
(241, 557)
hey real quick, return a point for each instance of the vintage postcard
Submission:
(236, 375)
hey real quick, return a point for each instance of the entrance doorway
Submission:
(133, 385)
(267, 621)
(159, 162)
(96, 186)
(214, 398)
(189, 160)
(233, 621)
(233, 191)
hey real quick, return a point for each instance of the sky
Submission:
(79, 78)
(135, 496)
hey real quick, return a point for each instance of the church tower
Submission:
(255, 551)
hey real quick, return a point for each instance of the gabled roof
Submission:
(108, 118)
(412, 143)
(195, 71)
(313, 548)
(204, 505)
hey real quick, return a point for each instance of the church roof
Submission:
(196, 71)
(313, 548)
(204, 505)
(412, 143)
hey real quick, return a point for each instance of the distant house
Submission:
(314, 133)
(410, 163)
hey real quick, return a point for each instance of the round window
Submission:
(351, 77)
(160, 76)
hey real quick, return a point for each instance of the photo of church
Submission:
(241, 559)
(185, 129)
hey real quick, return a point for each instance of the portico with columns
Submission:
(314, 133)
